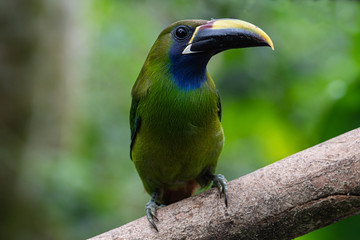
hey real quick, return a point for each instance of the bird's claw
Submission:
(150, 211)
(220, 182)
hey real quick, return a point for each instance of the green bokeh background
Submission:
(275, 103)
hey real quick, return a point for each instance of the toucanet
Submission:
(175, 116)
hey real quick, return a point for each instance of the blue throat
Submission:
(188, 71)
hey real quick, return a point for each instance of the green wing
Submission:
(138, 93)
(135, 122)
(218, 106)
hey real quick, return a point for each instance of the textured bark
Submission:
(287, 199)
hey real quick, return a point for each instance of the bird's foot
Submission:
(219, 181)
(150, 210)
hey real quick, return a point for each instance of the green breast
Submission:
(180, 134)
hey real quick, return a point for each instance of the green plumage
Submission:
(180, 135)
(176, 134)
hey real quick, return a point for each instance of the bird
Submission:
(175, 114)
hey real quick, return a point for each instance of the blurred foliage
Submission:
(275, 103)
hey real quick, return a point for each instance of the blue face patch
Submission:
(188, 70)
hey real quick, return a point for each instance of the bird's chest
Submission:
(180, 134)
(181, 114)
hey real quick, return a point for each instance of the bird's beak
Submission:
(221, 34)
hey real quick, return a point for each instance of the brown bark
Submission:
(287, 199)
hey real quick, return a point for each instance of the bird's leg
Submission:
(150, 209)
(219, 181)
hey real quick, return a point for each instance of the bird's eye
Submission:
(181, 32)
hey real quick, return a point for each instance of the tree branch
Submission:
(287, 199)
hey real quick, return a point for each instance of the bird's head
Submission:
(188, 45)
